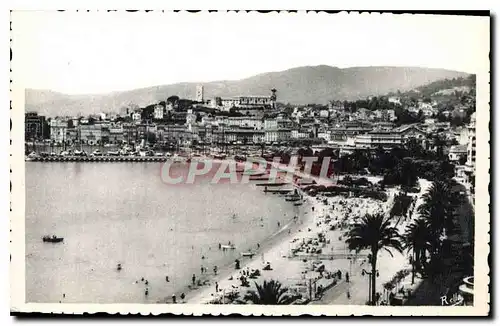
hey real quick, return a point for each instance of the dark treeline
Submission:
(399, 166)
(373, 104)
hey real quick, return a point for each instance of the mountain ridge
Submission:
(299, 85)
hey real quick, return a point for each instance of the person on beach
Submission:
(202, 269)
(216, 287)
(220, 246)
(215, 270)
(258, 246)
(193, 279)
(279, 224)
(183, 296)
(146, 292)
(347, 277)
(174, 299)
(166, 279)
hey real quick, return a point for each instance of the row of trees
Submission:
(373, 104)
(424, 239)
(400, 166)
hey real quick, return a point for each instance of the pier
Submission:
(100, 159)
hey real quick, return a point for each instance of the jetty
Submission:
(271, 184)
(100, 159)
(279, 191)
(259, 178)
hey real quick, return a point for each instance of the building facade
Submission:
(381, 138)
(94, 134)
(33, 126)
(58, 129)
(159, 112)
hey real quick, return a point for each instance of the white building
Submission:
(244, 122)
(394, 99)
(374, 139)
(299, 134)
(324, 135)
(136, 116)
(470, 164)
(270, 124)
(457, 152)
(471, 146)
(324, 113)
(58, 130)
(159, 111)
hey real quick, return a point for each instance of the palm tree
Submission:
(269, 293)
(374, 232)
(406, 172)
(417, 240)
(438, 208)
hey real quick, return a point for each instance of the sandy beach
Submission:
(308, 255)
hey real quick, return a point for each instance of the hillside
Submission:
(448, 86)
(302, 85)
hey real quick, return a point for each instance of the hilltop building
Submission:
(199, 93)
(245, 102)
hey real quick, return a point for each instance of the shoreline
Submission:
(275, 242)
(271, 242)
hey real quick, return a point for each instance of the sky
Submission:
(99, 52)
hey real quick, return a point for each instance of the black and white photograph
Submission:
(280, 163)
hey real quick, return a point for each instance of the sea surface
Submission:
(110, 213)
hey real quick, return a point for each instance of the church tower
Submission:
(199, 93)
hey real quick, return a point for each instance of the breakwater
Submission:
(101, 159)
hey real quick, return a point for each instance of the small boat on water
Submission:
(31, 157)
(53, 238)
(292, 198)
(231, 247)
(247, 254)
(278, 191)
(297, 204)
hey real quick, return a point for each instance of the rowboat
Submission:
(53, 238)
(247, 254)
(228, 247)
